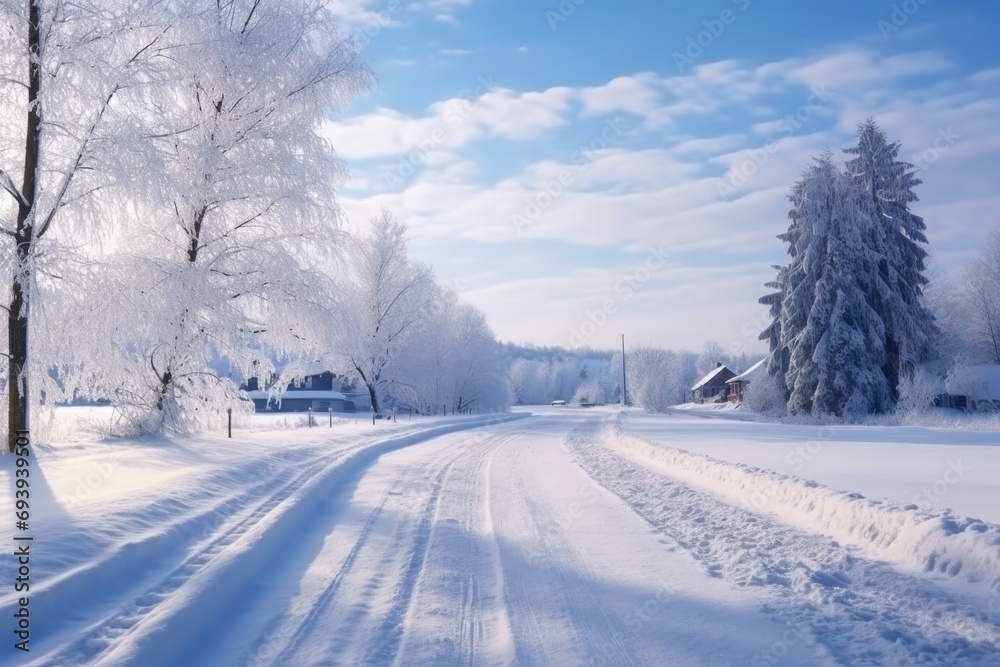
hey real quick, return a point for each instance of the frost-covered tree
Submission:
(811, 199)
(833, 336)
(980, 299)
(766, 395)
(558, 374)
(944, 299)
(64, 67)
(778, 352)
(386, 298)
(843, 356)
(420, 381)
(452, 361)
(711, 355)
(851, 293)
(529, 381)
(656, 378)
(897, 238)
(476, 369)
(234, 211)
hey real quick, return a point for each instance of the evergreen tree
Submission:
(848, 322)
(841, 350)
(790, 304)
(813, 201)
(777, 360)
(897, 237)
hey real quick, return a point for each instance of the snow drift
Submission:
(927, 541)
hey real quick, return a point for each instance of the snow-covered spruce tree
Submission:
(897, 238)
(841, 349)
(234, 217)
(63, 69)
(385, 296)
(778, 354)
(813, 200)
(826, 329)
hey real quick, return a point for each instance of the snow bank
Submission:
(927, 541)
(706, 407)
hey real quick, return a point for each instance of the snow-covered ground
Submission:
(570, 536)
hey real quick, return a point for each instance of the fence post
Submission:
(310, 417)
(229, 413)
(331, 417)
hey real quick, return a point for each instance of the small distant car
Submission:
(559, 402)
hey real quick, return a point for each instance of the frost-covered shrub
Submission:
(917, 392)
(765, 395)
(591, 391)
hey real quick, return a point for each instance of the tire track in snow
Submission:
(330, 591)
(158, 553)
(361, 599)
(554, 577)
(374, 585)
(864, 612)
(365, 629)
(474, 630)
(384, 644)
(462, 566)
(103, 634)
(173, 629)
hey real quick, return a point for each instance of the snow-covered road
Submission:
(558, 539)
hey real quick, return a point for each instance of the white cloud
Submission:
(674, 306)
(638, 95)
(363, 16)
(450, 123)
(662, 189)
(857, 69)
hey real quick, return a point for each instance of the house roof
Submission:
(751, 373)
(975, 382)
(715, 372)
(312, 394)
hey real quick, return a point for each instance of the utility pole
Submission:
(624, 395)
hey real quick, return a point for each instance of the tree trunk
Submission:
(374, 398)
(17, 345)
(161, 397)
(17, 316)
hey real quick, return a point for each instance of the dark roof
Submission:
(714, 373)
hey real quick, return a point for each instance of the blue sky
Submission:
(582, 169)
